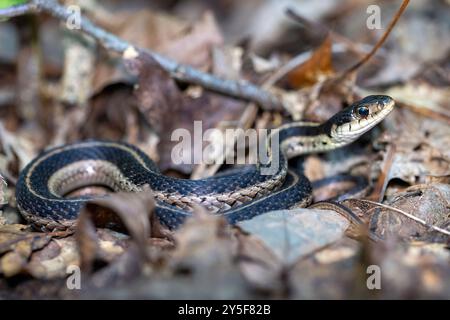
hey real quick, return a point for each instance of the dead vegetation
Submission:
(230, 64)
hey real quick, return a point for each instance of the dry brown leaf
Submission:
(203, 244)
(332, 273)
(427, 202)
(318, 66)
(134, 211)
(194, 46)
(128, 266)
(158, 96)
(258, 264)
(112, 115)
(16, 246)
(53, 260)
(165, 34)
(420, 149)
(424, 99)
(426, 263)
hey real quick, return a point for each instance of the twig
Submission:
(419, 220)
(238, 89)
(440, 115)
(379, 43)
(18, 10)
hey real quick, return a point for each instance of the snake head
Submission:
(352, 122)
(374, 107)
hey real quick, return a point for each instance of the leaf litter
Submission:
(118, 241)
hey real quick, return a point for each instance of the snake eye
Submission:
(363, 111)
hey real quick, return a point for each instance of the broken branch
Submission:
(238, 89)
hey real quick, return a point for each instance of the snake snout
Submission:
(385, 103)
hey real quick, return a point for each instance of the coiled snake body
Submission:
(238, 196)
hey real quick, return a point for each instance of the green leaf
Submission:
(10, 3)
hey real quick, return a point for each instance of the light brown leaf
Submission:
(134, 211)
(17, 244)
(319, 65)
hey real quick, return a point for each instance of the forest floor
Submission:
(171, 63)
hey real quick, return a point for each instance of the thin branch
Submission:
(238, 89)
(379, 43)
(18, 10)
(419, 220)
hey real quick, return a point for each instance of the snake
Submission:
(43, 185)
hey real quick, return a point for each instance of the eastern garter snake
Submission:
(122, 167)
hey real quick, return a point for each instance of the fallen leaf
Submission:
(258, 264)
(427, 202)
(186, 43)
(203, 244)
(157, 96)
(317, 67)
(130, 210)
(194, 47)
(423, 98)
(426, 263)
(332, 273)
(53, 260)
(291, 234)
(16, 246)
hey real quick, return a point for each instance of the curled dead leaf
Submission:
(258, 264)
(134, 211)
(203, 244)
(16, 247)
